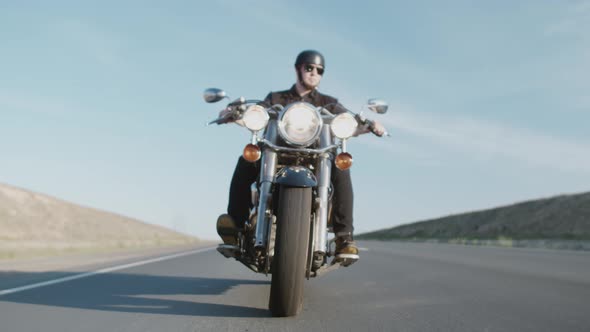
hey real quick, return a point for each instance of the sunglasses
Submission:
(309, 69)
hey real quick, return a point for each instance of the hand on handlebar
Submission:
(377, 128)
(227, 114)
(372, 126)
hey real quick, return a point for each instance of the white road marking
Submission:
(363, 249)
(101, 271)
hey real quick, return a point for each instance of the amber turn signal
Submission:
(251, 153)
(343, 161)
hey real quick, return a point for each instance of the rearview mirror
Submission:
(377, 105)
(213, 95)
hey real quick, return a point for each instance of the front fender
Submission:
(296, 176)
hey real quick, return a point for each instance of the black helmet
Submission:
(310, 57)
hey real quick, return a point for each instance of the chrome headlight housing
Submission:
(344, 125)
(255, 117)
(300, 124)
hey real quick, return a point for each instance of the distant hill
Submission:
(33, 224)
(565, 217)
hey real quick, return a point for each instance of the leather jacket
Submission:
(315, 98)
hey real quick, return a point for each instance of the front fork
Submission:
(267, 173)
(268, 169)
(323, 176)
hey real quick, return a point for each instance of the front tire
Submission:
(289, 261)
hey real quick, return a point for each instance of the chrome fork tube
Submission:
(323, 176)
(268, 166)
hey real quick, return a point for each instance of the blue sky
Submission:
(100, 102)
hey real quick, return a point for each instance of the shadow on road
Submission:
(136, 293)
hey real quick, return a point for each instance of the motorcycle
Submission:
(287, 234)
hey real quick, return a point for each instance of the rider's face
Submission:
(311, 75)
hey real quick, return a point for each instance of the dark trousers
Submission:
(246, 173)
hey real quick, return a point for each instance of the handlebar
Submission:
(220, 120)
(370, 125)
(238, 106)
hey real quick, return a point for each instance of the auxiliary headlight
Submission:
(344, 125)
(300, 124)
(255, 118)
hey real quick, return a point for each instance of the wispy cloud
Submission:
(490, 141)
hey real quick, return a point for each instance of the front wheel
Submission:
(289, 261)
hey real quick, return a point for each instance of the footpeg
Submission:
(228, 250)
(345, 259)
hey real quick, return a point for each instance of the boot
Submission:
(346, 248)
(227, 229)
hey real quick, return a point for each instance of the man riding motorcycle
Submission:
(309, 67)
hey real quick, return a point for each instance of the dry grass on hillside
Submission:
(33, 224)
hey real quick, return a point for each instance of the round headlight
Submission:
(255, 118)
(300, 124)
(344, 125)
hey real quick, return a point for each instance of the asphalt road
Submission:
(394, 287)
